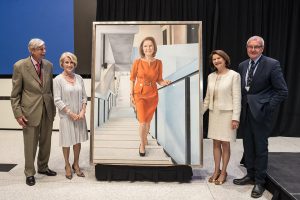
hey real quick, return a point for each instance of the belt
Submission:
(147, 83)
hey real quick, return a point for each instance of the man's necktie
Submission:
(250, 73)
(39, 71)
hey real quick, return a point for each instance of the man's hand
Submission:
(22, 121)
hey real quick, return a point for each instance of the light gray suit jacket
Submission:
(29, 93)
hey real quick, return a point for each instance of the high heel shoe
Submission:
(220, 182)
(78, 172)
(70, 176)
(213, 179)
(142, 154)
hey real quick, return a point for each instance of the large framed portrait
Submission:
(175, 135)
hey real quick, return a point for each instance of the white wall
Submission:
(7, 119)
(179, 34)
(148, 30)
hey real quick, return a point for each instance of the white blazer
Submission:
(229, 93)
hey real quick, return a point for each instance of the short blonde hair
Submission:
(70, 55)
(35, 43)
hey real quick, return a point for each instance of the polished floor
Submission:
(12, 183)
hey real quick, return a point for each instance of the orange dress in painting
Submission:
(145, 89)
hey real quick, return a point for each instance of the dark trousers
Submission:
(255, 142)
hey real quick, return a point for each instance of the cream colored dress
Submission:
(73, 96)
(224, 105)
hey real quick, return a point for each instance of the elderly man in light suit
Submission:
(33, 107)
(263, 88)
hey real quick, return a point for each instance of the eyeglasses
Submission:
(41, 48)
(253, 47)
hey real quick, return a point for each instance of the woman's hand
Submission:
(132, 99)
(235, 124)
(165, 82)
(73, 116)
(81, 114)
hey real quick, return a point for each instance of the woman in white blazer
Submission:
(223, 99)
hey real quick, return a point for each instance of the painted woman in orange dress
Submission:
(145, 73)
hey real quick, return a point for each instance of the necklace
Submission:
(69, 78)
(149, 60)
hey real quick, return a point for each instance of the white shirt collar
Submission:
(34, 61)
(255, 61)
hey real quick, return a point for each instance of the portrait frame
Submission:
(169, 30)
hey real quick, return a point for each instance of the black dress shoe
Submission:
(48, 172)
(246, 180)
(30, 180)
(257, 191)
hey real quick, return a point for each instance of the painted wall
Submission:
(21, 20)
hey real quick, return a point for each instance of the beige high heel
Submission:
(68, 176)
(218, 182)
(78, 172)
(213, 179)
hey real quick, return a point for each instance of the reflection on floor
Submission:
(12, 183)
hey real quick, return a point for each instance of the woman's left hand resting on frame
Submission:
(164, 82)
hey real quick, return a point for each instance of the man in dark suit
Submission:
(33, 106)
(263, 88)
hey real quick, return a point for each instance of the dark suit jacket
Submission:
(29, 93)
(267, 90)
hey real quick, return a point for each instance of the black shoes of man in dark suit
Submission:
(246, 180)
(257, 190)
(30, 180)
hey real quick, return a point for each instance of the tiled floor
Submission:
(12, 184)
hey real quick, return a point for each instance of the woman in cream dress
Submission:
(223, 99)
(70, 98)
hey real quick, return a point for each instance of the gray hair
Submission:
(70, 55)
(34, 44)
(257, 38)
